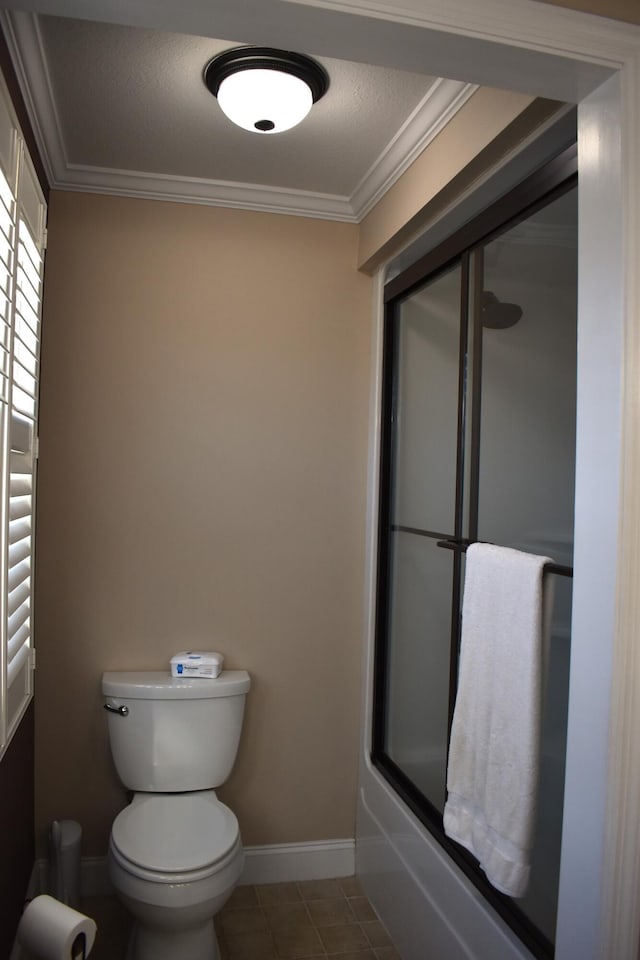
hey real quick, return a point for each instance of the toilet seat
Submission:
(175, 837)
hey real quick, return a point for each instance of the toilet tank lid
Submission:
(158, 685)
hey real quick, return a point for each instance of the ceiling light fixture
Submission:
(265, 90)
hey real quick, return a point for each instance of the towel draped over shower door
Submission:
(493, 765)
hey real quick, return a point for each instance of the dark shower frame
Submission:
(551, 181)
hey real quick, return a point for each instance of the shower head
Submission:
(497, 315)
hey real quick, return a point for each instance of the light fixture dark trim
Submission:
(266, 58)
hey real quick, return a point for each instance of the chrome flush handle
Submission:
(122, 710)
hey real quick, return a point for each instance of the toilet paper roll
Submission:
(53, 931)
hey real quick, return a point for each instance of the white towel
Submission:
(492, 774)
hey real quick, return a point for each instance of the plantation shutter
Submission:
(22, 232)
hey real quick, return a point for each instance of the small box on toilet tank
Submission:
(196, 663)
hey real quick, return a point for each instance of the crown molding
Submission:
(213, 193)
(25, 47)
(441, 102)
(435, 110)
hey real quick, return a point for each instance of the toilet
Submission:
(175, 853)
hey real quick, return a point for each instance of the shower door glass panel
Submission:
(422, 509)
(426, 405)
(528, 403)
(527, 466)
(418, 669)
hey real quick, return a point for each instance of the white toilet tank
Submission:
(174, 734)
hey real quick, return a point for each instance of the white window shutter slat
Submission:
(8, 144)
(22, 235)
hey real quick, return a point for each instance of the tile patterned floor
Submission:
(310, 920)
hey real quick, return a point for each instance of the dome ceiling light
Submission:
(265, 90)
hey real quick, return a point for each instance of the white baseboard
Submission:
(275, 863)
(317, 860)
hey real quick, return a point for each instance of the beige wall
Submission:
(202, 481)
(471, 129)
(489, 125)
(202, 476)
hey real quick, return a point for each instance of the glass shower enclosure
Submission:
(478, 443)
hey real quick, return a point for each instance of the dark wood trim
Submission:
(17, 846)
(462, 389)
(476, 392)
(380, 670)
(11, 79)
(417, 531)
(456, 597)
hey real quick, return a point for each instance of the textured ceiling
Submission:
(115, 93)
(124, 109)
(135, 99)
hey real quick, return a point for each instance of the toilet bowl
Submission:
(175, 853)
(174, 860)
